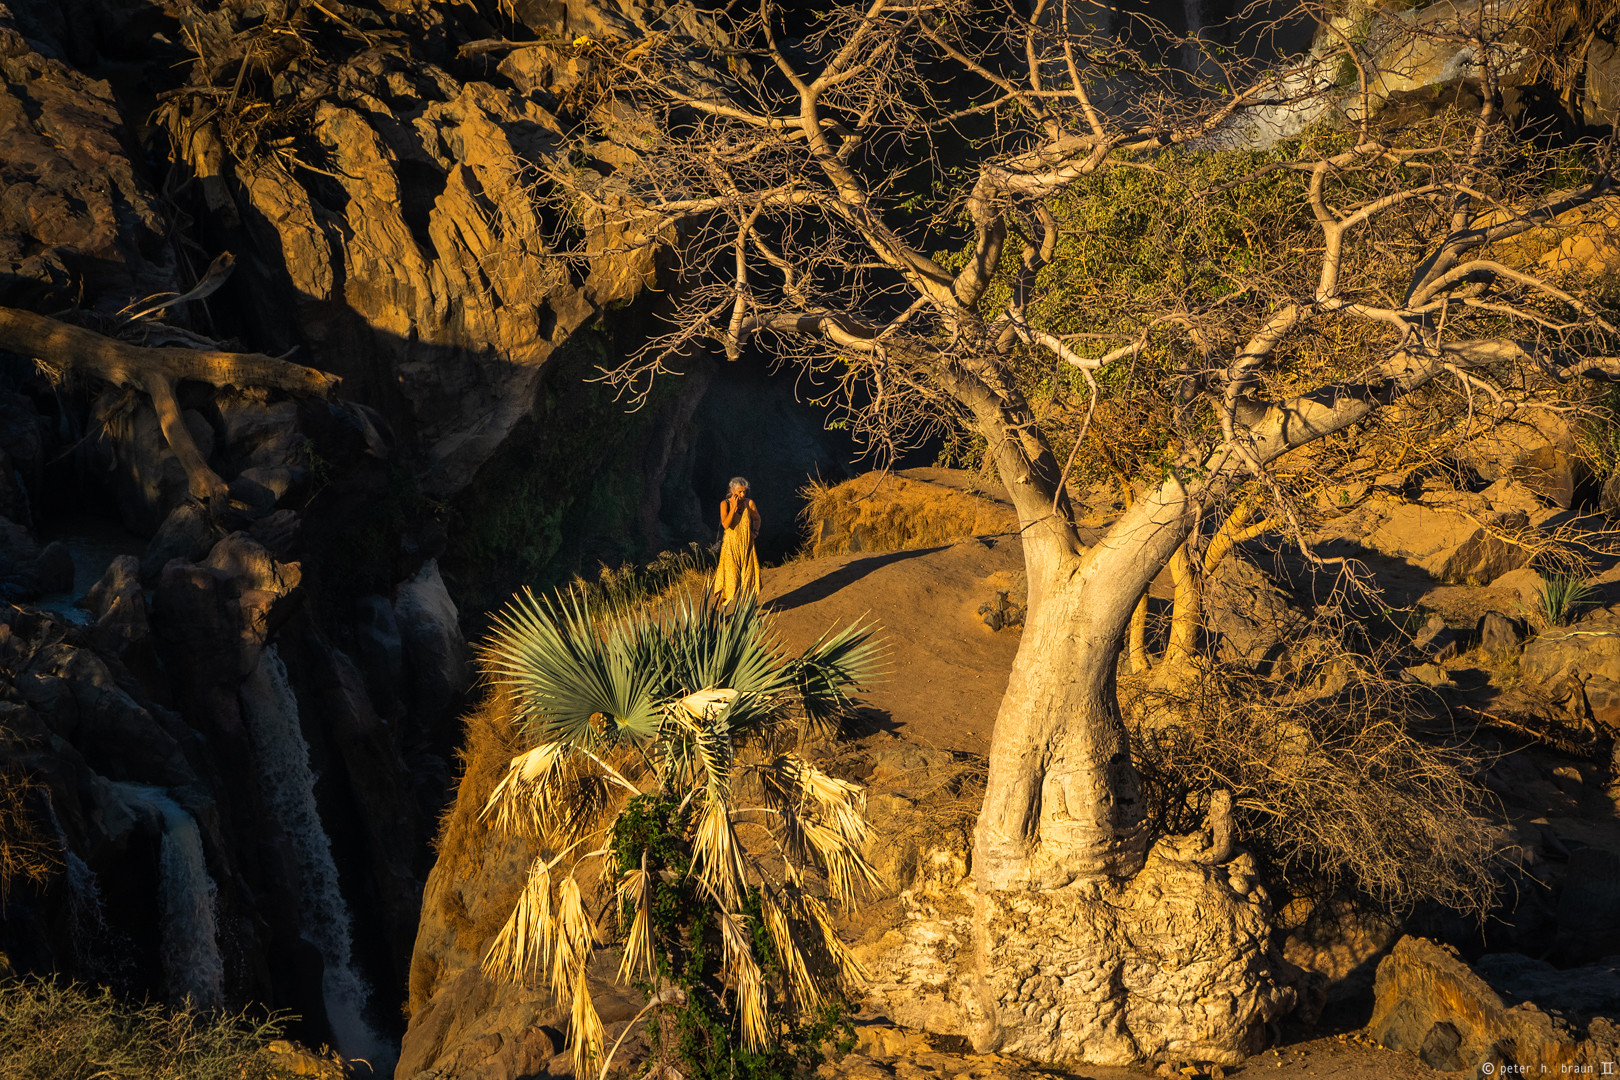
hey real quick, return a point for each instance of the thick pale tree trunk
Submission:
(1062, 802)
(1088, 944)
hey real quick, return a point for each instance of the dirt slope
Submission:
(947, 669)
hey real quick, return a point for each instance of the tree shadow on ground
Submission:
(851, 572)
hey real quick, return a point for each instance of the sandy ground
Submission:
(947, 670)
(1328, 1058)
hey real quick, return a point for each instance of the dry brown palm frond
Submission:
(800, 977)
(751, 999)
(635, 892)
(717, 857)
(556, 794)
(820, 821)
(522, 947)
(742, 972)
(842, 863)
(837, 801)
(843, 961)
(573, 937)
(524, 802)
(585, 1024)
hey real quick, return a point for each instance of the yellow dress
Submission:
(738, 571)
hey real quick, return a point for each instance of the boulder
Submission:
(1511, 496)
(1248, 613)
(1602, 695)
(1581, 993)
(1560, 663)
(241, 558)
(278, 533)
(118, 606)
(435, 653)
(259, 433)
(1533, 449)
(187, 534)
(474, 1029)
(545, 68)
(1339, 941)
(257, 491)
(1451, 544)
(1499, 634)
(1525, 585)
(1428, 1002)
(1431, 675)
(1549, 472)
(28, 572)
(1435, 639)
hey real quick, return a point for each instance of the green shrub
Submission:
(1561, 597)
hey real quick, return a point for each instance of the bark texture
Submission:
(1173, 963)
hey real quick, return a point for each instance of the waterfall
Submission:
(84, 891)
(192, 966)
(271, 713)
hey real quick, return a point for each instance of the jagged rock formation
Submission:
(1507, 1013)
(377, 183)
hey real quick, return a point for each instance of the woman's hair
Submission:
(737, 481)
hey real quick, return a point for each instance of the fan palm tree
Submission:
(686, 717)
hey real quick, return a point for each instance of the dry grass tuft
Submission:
(56, 1031)
(879, 512)
(27, 850)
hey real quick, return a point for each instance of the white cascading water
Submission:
(192, 966)
(84, 892)
(271, 713)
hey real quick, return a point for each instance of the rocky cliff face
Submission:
(231, 725)
(373, 174)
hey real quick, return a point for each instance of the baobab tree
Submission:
(807, 170)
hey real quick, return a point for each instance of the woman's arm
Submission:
(731, 512)
(753, 515)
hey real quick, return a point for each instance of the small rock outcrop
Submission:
(1504, 1015)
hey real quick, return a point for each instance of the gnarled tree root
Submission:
(1173, 964)
(73, 350)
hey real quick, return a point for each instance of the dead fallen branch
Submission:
(62, 349)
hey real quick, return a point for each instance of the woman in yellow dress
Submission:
(738, 572)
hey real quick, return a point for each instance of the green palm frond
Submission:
(836, 664)
(573, 679)
(711, 646)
